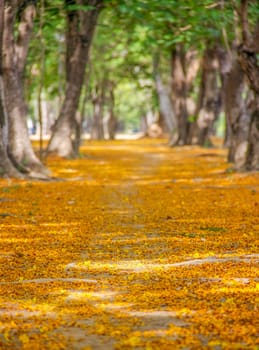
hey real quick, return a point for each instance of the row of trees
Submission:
(182, 63)
(17, 21)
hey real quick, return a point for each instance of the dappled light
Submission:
(135, 246)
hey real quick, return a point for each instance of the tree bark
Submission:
(252, 158)
(209, 99)
(41, 75)
(236, 114)
(80, 31)
(112, 121)
(184, 68)
(15, 52)
(247, 52)
(25, 28)
(179, 94)
(165, 104)
(6, 166)
(225, 65)
(97, 132)
(78, 131)
(250, 67)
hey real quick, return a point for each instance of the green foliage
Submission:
(128, 34)
(132, 103)
(76, 7)
(54, 50)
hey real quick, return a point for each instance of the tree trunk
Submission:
(251, 70)
(247, 52)
(252, 158)
(41, 75)
(80, 31)
(112, 121)
(97, 132)
(184, 68)
(144, 125)
(78, 131)
(237, 114)
(209, 99)
(165, 104)
(225, 64)
(179, 93)
(19, 146)
(6, 166)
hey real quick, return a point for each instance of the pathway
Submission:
(144, 248)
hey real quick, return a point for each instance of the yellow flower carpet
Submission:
(133, 246)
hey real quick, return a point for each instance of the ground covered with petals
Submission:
(134, 246)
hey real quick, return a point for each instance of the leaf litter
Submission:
(146, 248)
